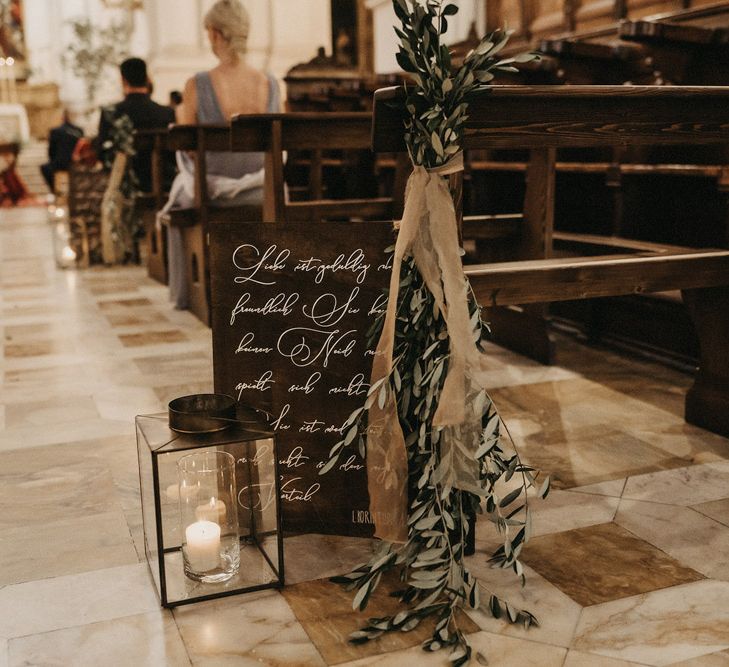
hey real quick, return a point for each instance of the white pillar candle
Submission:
(215, 510)
(11, 79)
(4, 88)
(203, 545)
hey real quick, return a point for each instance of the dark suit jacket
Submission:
(144, 114)
(61, 142)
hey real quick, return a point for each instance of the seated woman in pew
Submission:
(213, 97)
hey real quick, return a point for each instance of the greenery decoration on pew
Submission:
(431, 563)
(127, 227)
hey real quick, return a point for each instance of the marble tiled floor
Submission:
(629, 564)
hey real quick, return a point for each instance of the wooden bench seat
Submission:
(504, 117)
(317, 132)
(564, 279)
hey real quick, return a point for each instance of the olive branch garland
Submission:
(431, 567)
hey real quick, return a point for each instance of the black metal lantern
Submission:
(210, 491)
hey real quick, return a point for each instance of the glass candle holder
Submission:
(186, 480)
(208, 515)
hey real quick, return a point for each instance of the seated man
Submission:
(61, 143)
(143, 113)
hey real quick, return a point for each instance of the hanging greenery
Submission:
(455, 467)
(127, 225)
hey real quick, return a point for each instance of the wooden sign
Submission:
(291, 307)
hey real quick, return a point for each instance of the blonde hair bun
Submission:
(231, 20)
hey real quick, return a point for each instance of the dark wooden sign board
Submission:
(291, 304)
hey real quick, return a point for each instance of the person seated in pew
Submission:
(231, 88)
(61, 144)
(144, 114)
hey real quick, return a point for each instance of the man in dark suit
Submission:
(61, 142)
(142, 111)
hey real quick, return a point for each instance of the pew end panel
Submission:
(155, 142)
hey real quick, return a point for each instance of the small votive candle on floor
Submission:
(203, 545)
(214, 510)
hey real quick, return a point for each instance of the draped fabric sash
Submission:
(428, 232)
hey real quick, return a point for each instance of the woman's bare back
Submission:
(239, 89)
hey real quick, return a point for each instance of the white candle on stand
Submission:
(203, 545)
(11, 79)
(4, 89)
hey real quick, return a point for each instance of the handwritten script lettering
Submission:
(281, 303)
(379, 306)
(311, 426)
(295, 302)
(356, 387)
(295, 459)
(263, 455)
(309, 385)
(355, 264)
(248, 259)
(263, 383)
(246, 345)
(326, 311)
(278, 423)
(351, 464)
(292, 494)
(298, 345)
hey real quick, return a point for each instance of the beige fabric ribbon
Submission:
(428, 232)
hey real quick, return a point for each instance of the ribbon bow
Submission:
(428, 232)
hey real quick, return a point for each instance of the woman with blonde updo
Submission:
(231, 88)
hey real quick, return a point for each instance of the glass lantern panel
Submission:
(160, 450)
(148, 497)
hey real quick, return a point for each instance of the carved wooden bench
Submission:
(316, 132)
(545, 118)
(194, 222)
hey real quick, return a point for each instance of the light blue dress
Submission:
(226, 165)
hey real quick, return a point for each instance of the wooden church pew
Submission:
(590, 116)
(605, 56)
(686, 47)
(156, 142)
(194, 222)
(317, 132)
